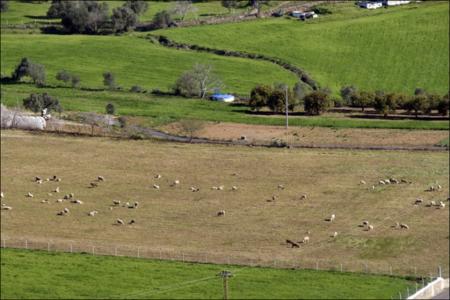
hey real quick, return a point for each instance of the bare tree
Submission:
(190, 127)
(200, 80)
(182, 8)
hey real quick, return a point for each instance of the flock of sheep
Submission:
(221, 213)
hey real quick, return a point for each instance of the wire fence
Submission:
(258, 259)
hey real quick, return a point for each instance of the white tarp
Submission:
(18, 120)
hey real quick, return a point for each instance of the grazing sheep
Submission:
(221, 213)
(71, 195)
(335, 234)
(273, 198)
(331, 218)
(50, 194)
(397, 225)
(281, 187)
(44, 201)
(441, 204)
(5, 207)
(369, 227)
(373, 187)
(234, 188)
(234, 174)
(404, 181)
(136, 204)
(66, 210)
(53, 178)
(60, 213)
(418, 201)
(404, 226)
(381, 182)
(100, 178)
(57, 189)
(39, 182)
(303, 197)
(116, 202)
(214, 188)
(132, 222)
(58, 180)
(37, 178)
(94, 184)
(194, 189)
(176, 182)
(120, 222)
(47, 179)
(395, 181)
(432, 203)
(77, 202)
(92, 213)
(439, 187)
(66, 197)
(293, 244)
(155, 186)
(158, 176)
(365, 223)
(221, 188)
(59, 200)
(2, 195)
(30, 195)
(305, 240)
(387, 181)
(362, 182)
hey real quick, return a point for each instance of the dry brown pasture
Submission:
(177, 219)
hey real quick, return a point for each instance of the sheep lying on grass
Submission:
(119, 222)
(221, 213)
(331, 218)
(2, 195)
(156, 187)
(30, 195)
(100, 178)
(305, 240)
(5, 207)
(92, 213)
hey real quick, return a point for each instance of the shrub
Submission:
(37, 103)
(385, 104)
(123, 19)
(58, 8)
(433, 101)
(418, 103)
(84, 16)
(321, 10)
(347, 92)
(277, 100)
(443, 105)
(3, 5)
(75, 81)
(316, 103)
(109, 80)
(28, 68)
(162, 19)
(259, 96)
(63, 75)
(136, 89)
(200, 80)
(138, 6)
(110, 109)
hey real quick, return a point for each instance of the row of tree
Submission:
(420, 102)
(92, 17)
(317, 102)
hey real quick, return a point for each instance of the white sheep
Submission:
(362, 182)
(158, 176)
(369, 227)
(58, 179)
(30, 195)
(136, 204)
(441, 204)
(432, 203)
(381, 182)
(221, 188)
(5, 207)
(365, 223)
(176, 182)
(221, 213)
(37, 178)
(39, 182)
(305, 240)
(132, 221)
(214, 188)
(94, 184)
(418, 201)
(71, 195)
(331, 219)
(77, 201)
(120, 222)
(194, 189)
(116, 202)
(92, 213)
(404, 226)
(60, 213)
(439, 187)
(66, 210)
(2, 195)
(303, 197)
(393, 180)
(101, 178)
(59, 200)
(335, 234)
(281, 187)
(57, 189)
(44, 201)
(387, 181)
(234, 188)
(156, 187)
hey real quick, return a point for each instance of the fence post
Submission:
(317, 265)
(390, 269)
(399, 295)
(160, 254)
(206, 258)
(407, 291)
(228, 259)
(440, 271)
(4, 243)
(417, 285)
(26, 244)
(48, 246)
(274, 263)
(71, 247)
(423, 282)
(182, 256)
(415, 271)
(115, 251)
(341, 267)
(93, 250)
(138, 254)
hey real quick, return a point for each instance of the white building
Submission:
(396, 2)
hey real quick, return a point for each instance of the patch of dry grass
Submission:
(174, 218)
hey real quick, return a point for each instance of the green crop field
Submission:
(161, 110)
(133, 60)
(395, 49)
(37, 274)
(22, 12)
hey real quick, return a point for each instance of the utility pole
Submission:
(225, 275)
(286, 109)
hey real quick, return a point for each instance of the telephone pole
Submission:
(225, 275)
(286, 109)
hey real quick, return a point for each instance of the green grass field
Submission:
(37, 274)
(23, 12)
(395, 49)
(133, 60)
(160, 110)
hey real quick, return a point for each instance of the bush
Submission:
(138, 6)
(75, 81)
(443, 105)
(58, 8)
(109, 80)
(3, 5)
(37, 103)
(385, 104)
(84, 16)
(136, 89)
(162, 19)
(123, 19)
(277, 101)
(259, 96)
(418, 103)
(362, 99)
(347, 92)
(316, 103)
(28, 68)
(63, 75)
(110, 109)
